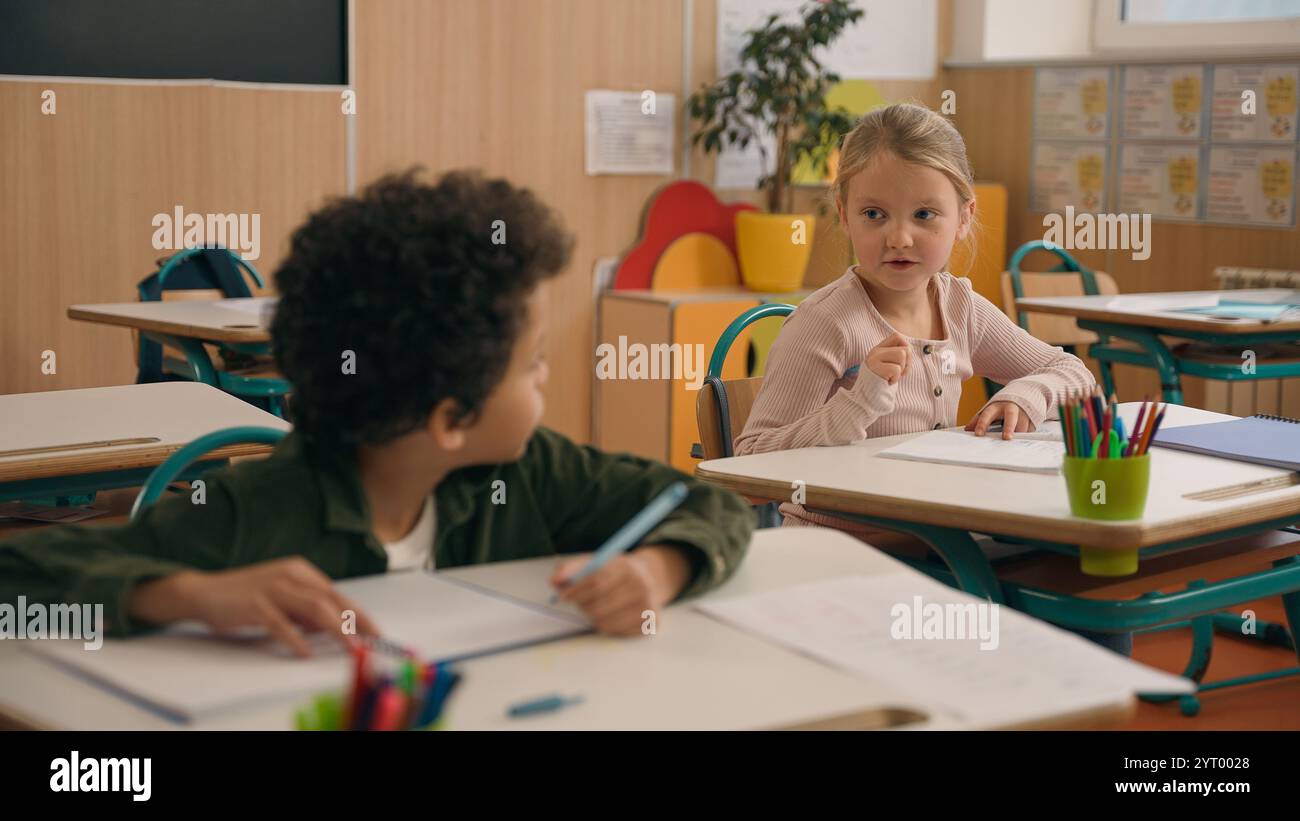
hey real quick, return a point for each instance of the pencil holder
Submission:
(1111, 490)
(326, 712)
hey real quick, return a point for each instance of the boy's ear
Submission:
(449, 425)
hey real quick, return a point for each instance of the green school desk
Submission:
(65, 443)
(944, 504)
(241, 325)
(1141, 319)
(695, 673)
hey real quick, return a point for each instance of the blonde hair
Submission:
(916, 135)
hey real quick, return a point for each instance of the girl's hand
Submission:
(1014, 420)
(888, 360)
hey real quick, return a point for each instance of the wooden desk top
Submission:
(174, 413)
(695, 673)
(221, 320)
(1139, 309)
(853, 479)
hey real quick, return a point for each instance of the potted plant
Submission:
(780, 89)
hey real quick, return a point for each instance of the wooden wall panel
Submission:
(499, 85)
(79, 189)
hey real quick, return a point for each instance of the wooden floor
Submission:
(1269, 705)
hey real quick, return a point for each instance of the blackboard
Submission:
(262, 41)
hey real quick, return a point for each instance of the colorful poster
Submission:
(1072, 103)
(1252, 185)
(1066, 173)
(1255, 103)
(1160, 180)
(1162, 102)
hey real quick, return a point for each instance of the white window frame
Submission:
(1241, 38)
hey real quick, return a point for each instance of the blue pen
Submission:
(629, 534)
(548, 704)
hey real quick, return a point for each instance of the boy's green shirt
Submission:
(559, 497)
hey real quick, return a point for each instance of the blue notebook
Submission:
(1261, 439)
(1262, 311)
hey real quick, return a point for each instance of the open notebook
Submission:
(185, 671)
(1029, 452)
(986, 671)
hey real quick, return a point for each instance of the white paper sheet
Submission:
(1027, 455)
(185, 671)
(1035, 670)
(1162, 302)
(629, 132)
(249, 305)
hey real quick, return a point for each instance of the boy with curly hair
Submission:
(415, 345)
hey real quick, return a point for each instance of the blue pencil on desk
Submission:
(548, 704)
(632, 532)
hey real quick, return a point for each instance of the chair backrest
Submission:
(722, 407)
(739, 324)
(715, 438)
(1070, 278)
(189, 270)
(176, 464)
(197, 268)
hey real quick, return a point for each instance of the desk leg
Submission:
(1291, 604)
(1166, 365)
(958, 550)
(195, 354)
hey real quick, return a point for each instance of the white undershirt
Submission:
(415, 549)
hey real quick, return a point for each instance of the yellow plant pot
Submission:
(773, 249)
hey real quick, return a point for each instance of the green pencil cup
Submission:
(1121, 494)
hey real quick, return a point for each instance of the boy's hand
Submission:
(281, 595)
(889, 359)
(615, 596)
(1014, 420)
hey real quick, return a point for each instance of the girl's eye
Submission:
(926, 214)
(872, 213)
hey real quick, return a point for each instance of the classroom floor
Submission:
(1270, 705)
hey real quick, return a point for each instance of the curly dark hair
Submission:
(407, 276)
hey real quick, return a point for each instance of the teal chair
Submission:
(178, 464)
(1208, 355)
(723, 405)
(209, 269)
(1103, 350)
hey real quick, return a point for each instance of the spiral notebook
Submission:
(1262, 439)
